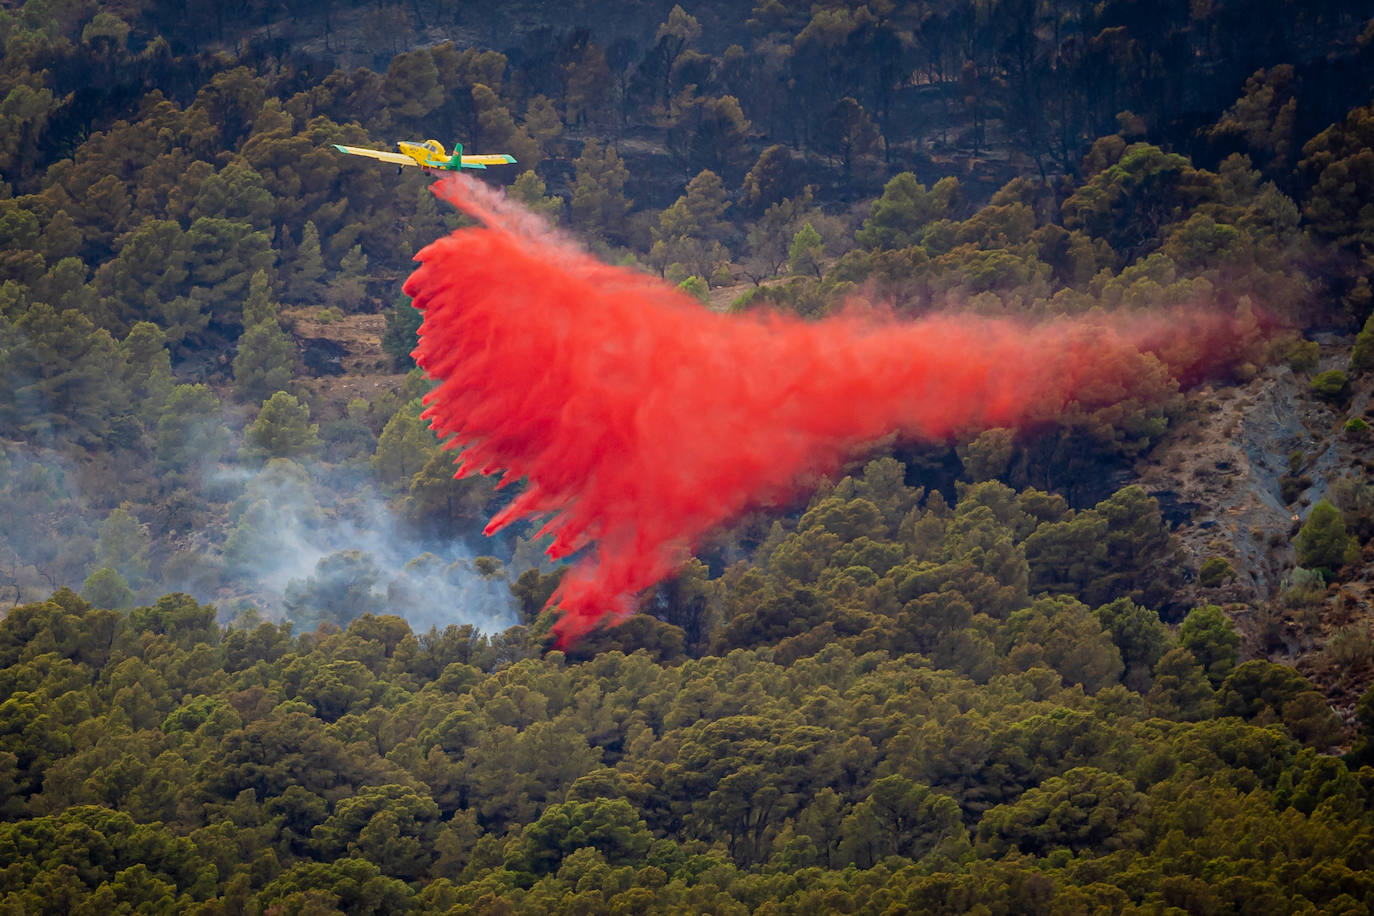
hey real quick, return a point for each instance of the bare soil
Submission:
(367, 368)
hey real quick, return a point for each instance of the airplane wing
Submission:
(481, 162)
(385, 156)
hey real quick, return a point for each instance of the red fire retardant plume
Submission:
(640, 421)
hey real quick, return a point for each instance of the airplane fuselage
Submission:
(430, 154)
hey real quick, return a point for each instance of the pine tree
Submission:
(308, 266)
(263, 363)
(1323, 542)
(529, 189)
(123, 545)
(259, 307)
(598, 201)
(282, 430)
(350, 286)
(405, 445)
(148, 371)
(107, 589)
(804, 254)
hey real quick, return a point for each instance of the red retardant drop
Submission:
(640, 421)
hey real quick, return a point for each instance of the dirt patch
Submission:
(359, 335)
(721, 297)
(364, 368)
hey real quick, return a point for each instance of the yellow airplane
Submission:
(429, 156)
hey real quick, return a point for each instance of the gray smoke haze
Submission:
(308, 546)
(307, 542)
(48, 538)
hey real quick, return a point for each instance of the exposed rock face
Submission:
(1237, 476)
(1224, 472)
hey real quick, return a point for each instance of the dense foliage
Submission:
(974, 679)
(884, 718)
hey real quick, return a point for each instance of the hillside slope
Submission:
(1243, 468)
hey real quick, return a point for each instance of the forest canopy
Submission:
(257, 657)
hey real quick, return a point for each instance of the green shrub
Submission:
(1291, 486)
(696, 288)
(1306, 588)
(1215, 571)
(1362, 357)
(1300, 355)
(1323, 542)
(1350, 646)
(1330, 386)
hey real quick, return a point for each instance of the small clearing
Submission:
(356, 365)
